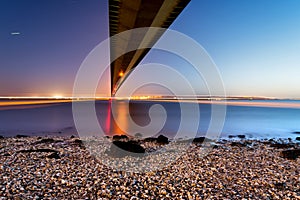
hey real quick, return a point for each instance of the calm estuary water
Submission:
(242, 117)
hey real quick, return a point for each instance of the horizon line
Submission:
(145, 97)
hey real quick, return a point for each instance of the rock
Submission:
(72, 136)
(119, 137)
(21, 136)
(281, 145)
(1, 137)
(123, 137)
(291, 154)
(238, 144)
(214, 145)
(296, 132)
(202, 139)
(199, 140)
(121, 148)
(184, 141)
(280, 185)
(150, 139)
(298, 138)
(238, 136)
(54, 155)
(138, 135)
(78, 142)
(267, 142)
(45, 140)
(161, 139)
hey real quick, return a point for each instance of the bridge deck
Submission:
(128, 14)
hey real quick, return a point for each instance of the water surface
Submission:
(256, 119)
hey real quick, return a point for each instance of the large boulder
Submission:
(119, 137)
(201, 140)
(161, 139)
(128, 148)
(298, 138)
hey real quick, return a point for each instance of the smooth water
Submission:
(253, 121)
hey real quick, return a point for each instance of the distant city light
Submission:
(121, 73)
(57, 96)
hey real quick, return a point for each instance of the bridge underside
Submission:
(129, 14)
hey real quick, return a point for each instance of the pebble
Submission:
(226, 172)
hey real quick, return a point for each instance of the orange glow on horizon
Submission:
(58, 96)
(16, 103)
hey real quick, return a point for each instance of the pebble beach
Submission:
(63, 168)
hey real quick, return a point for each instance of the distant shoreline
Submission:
(229, 102)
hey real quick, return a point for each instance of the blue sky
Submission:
(55, 37)
(254, 43)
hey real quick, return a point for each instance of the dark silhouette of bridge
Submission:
(129, 14)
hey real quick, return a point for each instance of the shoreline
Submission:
(227, 137)
(225, 102)
(233, 169)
